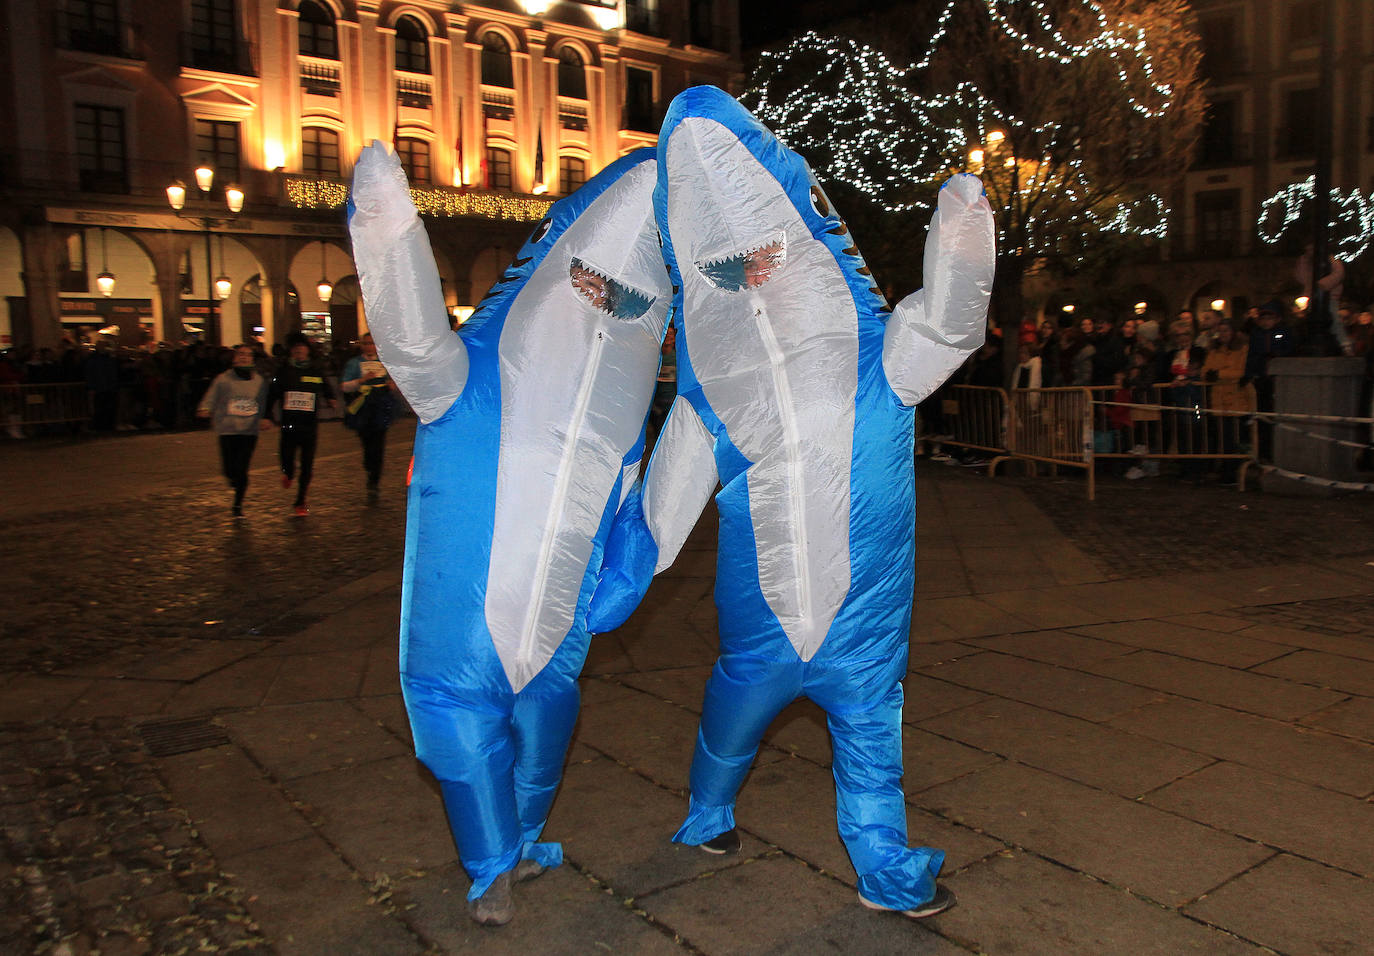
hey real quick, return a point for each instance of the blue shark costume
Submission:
(530, 436)
(796, 391)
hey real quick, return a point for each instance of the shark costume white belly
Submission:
(796, 389)
(531, 432)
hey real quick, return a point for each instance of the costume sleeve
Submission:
(401, 293)
(655, 518)
(934, 329)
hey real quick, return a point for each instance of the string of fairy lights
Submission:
(1351, 222)
(429, 200)
(865, 122)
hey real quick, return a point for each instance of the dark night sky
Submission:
(764, 22)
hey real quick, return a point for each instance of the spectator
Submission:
(1270, 340)
(369, 411)
(1223, 371)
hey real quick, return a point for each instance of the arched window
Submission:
(496, 66)
(498, 168)
(572, 173)
(412, 46)
(319, 151)
(316, 31)
(414, 155)
(572, 74)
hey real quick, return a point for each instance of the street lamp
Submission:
(217, 289)
(105, 282)
(324, 288)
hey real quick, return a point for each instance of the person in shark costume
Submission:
(530, 435)
(796, 391)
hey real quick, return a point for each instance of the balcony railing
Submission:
(414, 91)
(218, 54)
(320, 79)
(572, 115)
(499, 106)
(109, 39)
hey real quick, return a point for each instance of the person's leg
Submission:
(287, 451)
(543, 721)
(743, 695)
(468, 744)
(871, 809)
(374, 448)
(306, 442)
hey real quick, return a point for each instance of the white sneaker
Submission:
(1134, 472)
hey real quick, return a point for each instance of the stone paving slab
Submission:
(310, 677)
(388, 711)
(1090, 753)
(120, 698)
(1128, 844)
(800, 729)
(1053, 688)
(1359, 647)
(683, 686)
(563, 913)
(234, 807)
(1294, 906)
(1344, 674)
(967, 617)
(1048, 910)
(1329, 827)
(1240, 690)
(1044, 609)
(628, 845)
(237, 686)
(1283, 748)
(1209, 622)
(383, 818)
(310, 904)
(304, 739)
(928, 759)
(778, 905)
(1052, 647)
(925, 697)
(1229, 650)
(1354, 718)
(648, 735)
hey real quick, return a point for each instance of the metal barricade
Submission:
(31, 406)
(1051, 426)
(974, 417)
(1173, 423)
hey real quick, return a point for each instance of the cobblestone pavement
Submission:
(1164, 526)
(84, 820)
(171, 566)
(94, 857)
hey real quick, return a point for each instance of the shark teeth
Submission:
(608, 294)
(747, 269)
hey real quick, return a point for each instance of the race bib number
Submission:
(299, 402)
(371, 369)
(243, 407)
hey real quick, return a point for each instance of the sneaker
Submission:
(237, 511)
(300, 511)
(727, 842)
(1134, 473)
(495, 907)
(286, 481)
(941, 901)
(527, 870)
(941, 456)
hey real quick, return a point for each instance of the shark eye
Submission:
(606, 294)
(746, 270)
(540, 231)
(818, 201)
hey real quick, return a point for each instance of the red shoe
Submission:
(286, 481)
(301, 511)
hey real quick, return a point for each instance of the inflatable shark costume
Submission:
(796, 388)
(531, 434)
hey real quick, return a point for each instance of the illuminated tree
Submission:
(1078, 114)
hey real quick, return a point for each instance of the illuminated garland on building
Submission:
(1351, 224)
(859, 116)
(429, 200)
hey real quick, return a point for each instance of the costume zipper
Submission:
(560, 494)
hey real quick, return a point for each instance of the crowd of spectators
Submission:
(155, 386)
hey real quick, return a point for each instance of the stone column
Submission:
(43, 253)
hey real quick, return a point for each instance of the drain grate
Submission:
(167, 738)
